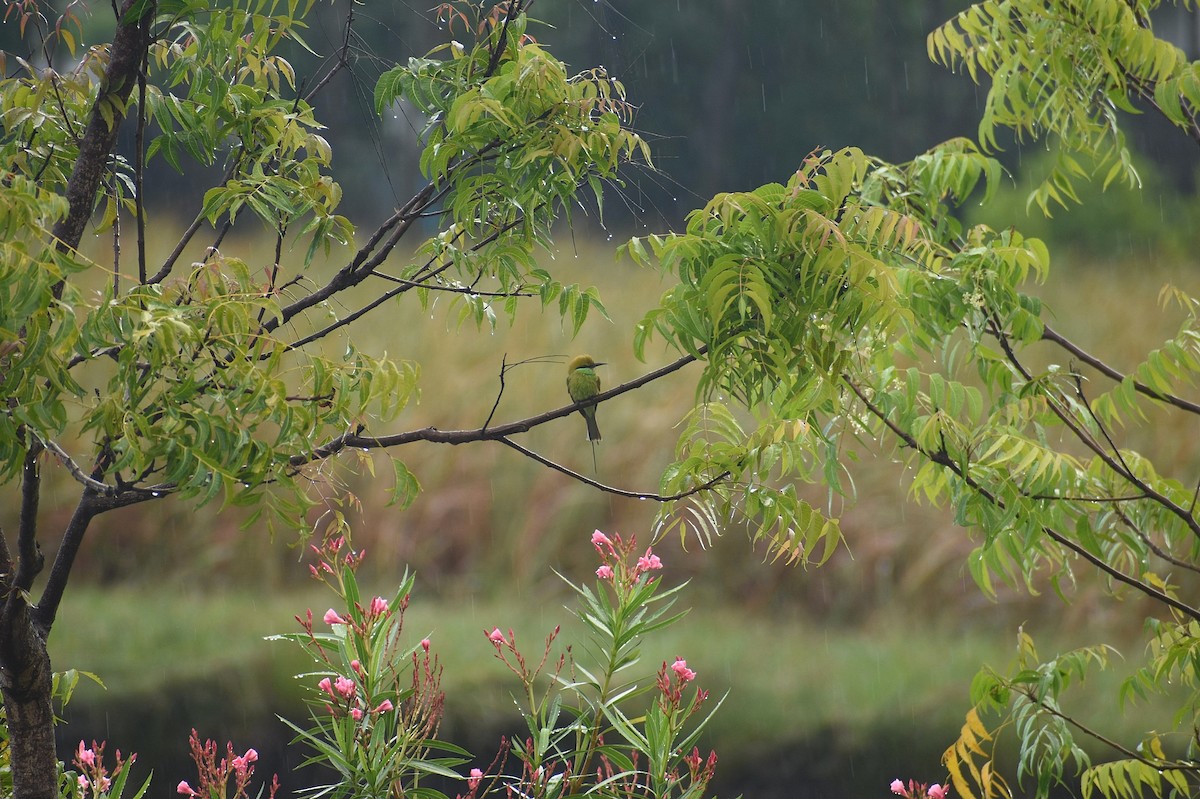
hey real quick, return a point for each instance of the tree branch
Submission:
(607, 488)
(120, 76)
(425, 273)
(944, 459)
(356, 440)
(1115, 461)
(340, 61)
(31, 491)
(47, 608)
(1049, 334)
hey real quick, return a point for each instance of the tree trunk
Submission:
(26, 681)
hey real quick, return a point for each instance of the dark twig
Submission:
(1049, 334)
(340, 60)
(620, 492)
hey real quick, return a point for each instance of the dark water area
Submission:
(828, 763)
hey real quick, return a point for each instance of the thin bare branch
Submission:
(1049, 334)
(611, 489)
(341, 59)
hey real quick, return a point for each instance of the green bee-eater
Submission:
(583, 383)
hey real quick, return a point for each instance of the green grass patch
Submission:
(788, 679)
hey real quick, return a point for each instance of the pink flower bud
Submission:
(384, 706)
(86, 756)
(605, 572)
(326, 686)
(496, 637)
(599, 539)
(182, 788)
(475, 778)
(425, 644)
(379, 606)
(332, 617)
(251, 755)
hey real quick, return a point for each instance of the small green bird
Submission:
(583, 383)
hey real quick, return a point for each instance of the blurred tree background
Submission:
(731, 95)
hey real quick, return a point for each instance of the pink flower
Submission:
(425, 644)
(332, 617)
(599, 539)
(251, 756)
(682, 671)
(344, 686)
(605, 572)
(496, 637)
(897, 787)
(475, 778)
(86, 756)
(936, 791)
(326, 686)
(239, 765)
(182, 788)
(384, 706)
(83, 783)
(649, 562)
(379, 606)
(356, 714)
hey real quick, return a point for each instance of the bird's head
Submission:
(582, 362)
